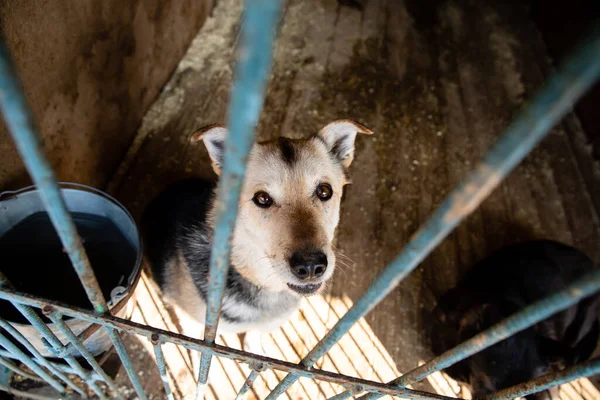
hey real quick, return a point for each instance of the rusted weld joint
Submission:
(258, 366)
(156, 339)
(355, 389)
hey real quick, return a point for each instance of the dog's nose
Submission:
(308, 264)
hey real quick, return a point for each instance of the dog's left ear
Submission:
(340, 135)
(213, 137)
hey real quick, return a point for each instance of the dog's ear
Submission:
(339, 137)
(213, 137)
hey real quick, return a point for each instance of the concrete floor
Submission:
(436, 82)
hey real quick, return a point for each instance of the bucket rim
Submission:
(134, 276)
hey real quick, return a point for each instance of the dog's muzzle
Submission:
(308, 266)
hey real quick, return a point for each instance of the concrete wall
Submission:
(90, 69)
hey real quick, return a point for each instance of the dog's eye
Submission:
(262, 199)
(324, 191)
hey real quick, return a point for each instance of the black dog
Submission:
(501, 285)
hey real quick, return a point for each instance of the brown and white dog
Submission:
(282, 243)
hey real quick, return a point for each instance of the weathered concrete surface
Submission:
(90, 69)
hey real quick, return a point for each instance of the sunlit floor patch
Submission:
(359, 354)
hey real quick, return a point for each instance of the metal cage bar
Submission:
(258, 33)
(247, 384)
(530, 126)
(160, 363)
(20, 124)
(518, 322)
(145, 331)
(56, 317)
(44, 362)
(19, 120)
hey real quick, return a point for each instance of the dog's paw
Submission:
(253, 343)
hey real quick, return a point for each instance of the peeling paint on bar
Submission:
(117, 341)
(247, 384)
(258, 33)
(259, 24)
(531, 125)
(589, 368)
(32, 365)
(37, 357)
(529, 316)
(160, 363)
(20, 123)
(57, 319)
(48, 337)
(130, 327)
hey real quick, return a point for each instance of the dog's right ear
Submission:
(213, 137)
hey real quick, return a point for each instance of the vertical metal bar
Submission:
(10, 365)
(24, 358)
(19, 120)
(127, 364)
(257, 368)
(43, 361)
(589, 368)
(56, 317)
(564, 88)
(529, 316)
(247, 384)
(162, 367)
(258, 33)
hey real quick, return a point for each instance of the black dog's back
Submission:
(502, 284)
(181, 206)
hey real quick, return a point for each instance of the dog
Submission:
(502, 284)
(282, 242)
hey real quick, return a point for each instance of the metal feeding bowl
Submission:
(34, 261)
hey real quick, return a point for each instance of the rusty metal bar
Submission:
(563, 89)
(117, 341)
(19, 121)
(589, 368)
(24, 358)
(247, 384)
(259, 23)
(256, 369)
(53, 344)
(529, 316)
(130, 327)
(160, 363)
(56, 317)
(44, 362)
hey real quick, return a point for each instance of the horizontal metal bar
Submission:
(32, 365)
(57, 319)
(589, 368)
(214, 349)
(117, 341)
(161, 364)
(547, 108)
(529, 316)
(38, 357)
(19, 121)
(252, 71)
